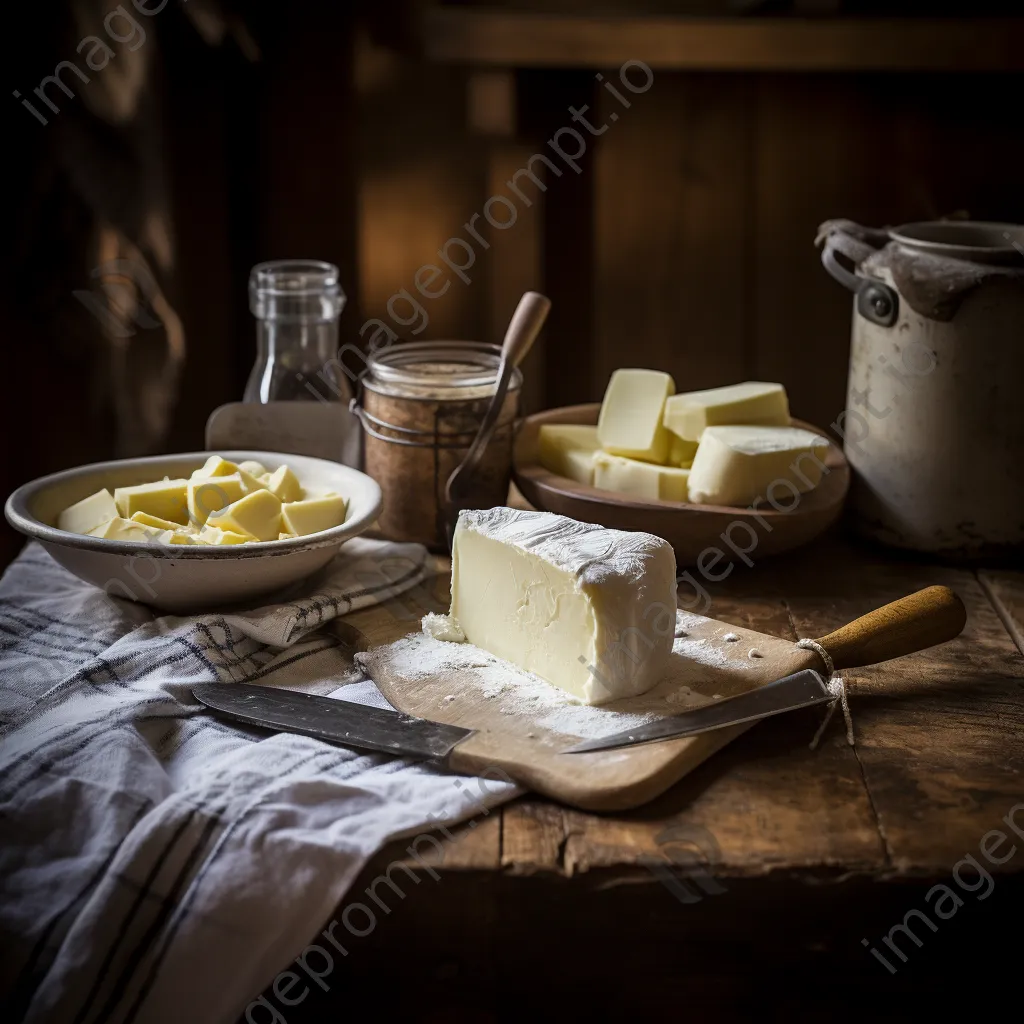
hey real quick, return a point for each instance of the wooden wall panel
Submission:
(673, 230)
(516, 263)
(821, 150)
(422, 177)
(568, 231)
(879, 149)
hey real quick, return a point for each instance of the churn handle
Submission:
(876, 301)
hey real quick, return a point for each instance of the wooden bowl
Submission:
(740, 533)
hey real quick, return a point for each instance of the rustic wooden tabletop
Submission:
(770, 856)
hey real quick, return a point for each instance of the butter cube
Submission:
(178, 536)
(210, 494)
(213, 535)
(163, 531)
(285, 484)
(252, 467)
(681, 451)
(89, 513)
(739, 465)
(215, 466)
(753, 402)
(590, 610)
(154, 522)
(568, 450)
(124, 529)
(165, 499)
(250, 482)
(313, 515)
(640, 479)
(257, 514)
(630, 422)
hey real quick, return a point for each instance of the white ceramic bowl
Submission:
(187, 578)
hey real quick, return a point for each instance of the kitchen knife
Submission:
(800, 690)
(336, 721)
(931, 616)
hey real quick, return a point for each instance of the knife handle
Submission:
(929, 617)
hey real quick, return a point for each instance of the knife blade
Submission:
(336, 721)
(800, 690)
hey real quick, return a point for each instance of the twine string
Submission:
(836, 687)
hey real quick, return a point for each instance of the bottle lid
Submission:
(296, 291)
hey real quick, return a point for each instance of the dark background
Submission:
(368, 134)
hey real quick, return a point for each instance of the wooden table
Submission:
(808, 852)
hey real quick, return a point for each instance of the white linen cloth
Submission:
(158, 863)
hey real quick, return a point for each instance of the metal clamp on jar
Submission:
(421, 405)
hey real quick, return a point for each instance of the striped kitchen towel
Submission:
(159, 864)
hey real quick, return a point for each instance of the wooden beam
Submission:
(725, 44)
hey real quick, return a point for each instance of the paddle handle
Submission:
(929, 617)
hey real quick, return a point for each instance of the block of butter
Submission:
(215, 465)
(285, 484)
(164, 499)
(640, 479)
(753, 402)
(590, 610)
(567, 449)
(210, 494)
(124, 529)
(630, 422)
(741, 465)
(213, 535)
(681, 451)
(89, 513)
(257, 515)
(302, 518)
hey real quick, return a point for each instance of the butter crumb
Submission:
(443, 627)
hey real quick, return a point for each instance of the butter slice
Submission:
(214, 466)
(257, 514)
(681, 451)
(164, 499)
(210, 494)
(640, 479)
(285, 484)
(630, 422)
(163, 531)
(124, 529)
(313, 515)
(753, 402)
(213, 535)
(567, 449)
(590, 610)
(154, 522)
(89, 513)
(739, 465)
(251, 482)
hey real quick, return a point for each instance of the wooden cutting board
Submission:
(526, 740)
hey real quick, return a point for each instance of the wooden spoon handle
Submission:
(931, 616)
(525, 325)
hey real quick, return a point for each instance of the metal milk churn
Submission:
(934, 424)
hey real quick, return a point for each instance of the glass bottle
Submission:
(296, 304)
